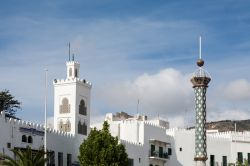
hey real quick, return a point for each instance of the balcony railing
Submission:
(157, 154)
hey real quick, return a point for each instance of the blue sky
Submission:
(129, 50)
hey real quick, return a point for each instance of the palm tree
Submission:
(8, 103)
(24, 158)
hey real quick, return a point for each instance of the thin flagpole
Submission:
(45, 117)
(200, 47)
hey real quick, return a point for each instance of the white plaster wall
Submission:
(135, 135)
(56, 141)
(217, 144)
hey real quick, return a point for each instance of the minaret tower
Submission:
(72, 101)
(200, 81)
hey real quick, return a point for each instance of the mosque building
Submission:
(148, 142)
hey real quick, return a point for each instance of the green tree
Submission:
(8, 103)
(102, 149)
(25, 157)
(242, 164)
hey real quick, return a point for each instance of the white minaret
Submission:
(72, 102)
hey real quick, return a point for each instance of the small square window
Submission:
(180, 149)
(9, 145)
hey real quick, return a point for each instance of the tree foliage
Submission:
(8, 103)
(102, 149)
(245, 163)
(25, 157)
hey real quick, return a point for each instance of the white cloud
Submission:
(237, 90)
(167, 92)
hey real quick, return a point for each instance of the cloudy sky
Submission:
(129, 50)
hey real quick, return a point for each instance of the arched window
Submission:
(82, 108)
(70, 72)
(79, 127)
(76, 73)
(24, 138)
(30, 140)
(67, 126)
(65, 107)
(60, 125)
(84, 129)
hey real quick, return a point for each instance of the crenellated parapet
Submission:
(126, 142)
(232, 136)
(72, 80)
(35, 128)
(152, 124)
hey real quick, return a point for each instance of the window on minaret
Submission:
(70, 72)
(60, 126)
(79, 127)
(75, 72)
(67, 126)
(65, 107)
(82, 108)
(84, 129)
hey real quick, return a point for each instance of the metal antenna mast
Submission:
(200, 47)
(45, 116)
(69, 50)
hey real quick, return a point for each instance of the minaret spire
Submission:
(69, 50)
(200, 81)
(200, 47)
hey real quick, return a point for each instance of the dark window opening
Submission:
(82, 108)
(69, 159)
(30, 140)
(224, 160)
(51, 158)
(212, 161)
(160, 152)
(152, 150)
(248, 158)
(82, 128)
(9, 145)
(76, 73)
(240, 157)
(139, 160)
(24, 138)
(180, 149)
(60, 159)
(130, 162)
(169, 151)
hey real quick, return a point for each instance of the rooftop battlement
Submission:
(72, 63)
(125, 142)
(35, 128)
(72, 80)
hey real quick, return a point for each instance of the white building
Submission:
(151, 142)
(147, 142)
(71, 122)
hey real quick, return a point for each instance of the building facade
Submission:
(71, 122)
(147, 142)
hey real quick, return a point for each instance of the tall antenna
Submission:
(138, 102)
(200, 47)
(69, 50)
(45, 116)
